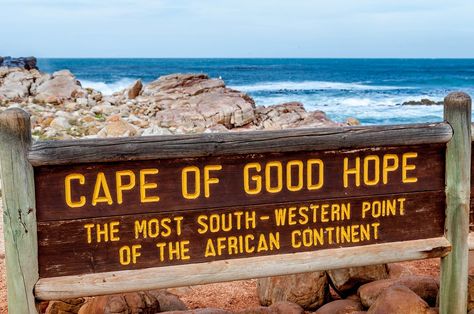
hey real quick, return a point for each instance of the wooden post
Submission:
(454, 271)
(21, 248)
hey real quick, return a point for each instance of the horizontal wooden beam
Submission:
(253, 142)
(237, 269)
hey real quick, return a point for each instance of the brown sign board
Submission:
(126, 215)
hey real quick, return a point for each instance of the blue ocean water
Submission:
(371, 90)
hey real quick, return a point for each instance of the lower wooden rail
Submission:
(237, 269)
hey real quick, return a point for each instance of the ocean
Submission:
(371, 90)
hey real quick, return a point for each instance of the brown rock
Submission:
(128, 303)
(340, 307)
(277, 308)
(283, 307)
(201, 311)
(352, 121)
(398, 299)
(309, 290)
(425, 287)
(369, 292)
(69, 306)
(117, 127)
(470, 293)
(16, 84)
(348, 279)
(290, 115)
(396, 271)
(198, 101)
(135, 89)
(168, 301)
(62, 85)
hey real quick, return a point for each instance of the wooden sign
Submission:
(132, 215)
(119, 215)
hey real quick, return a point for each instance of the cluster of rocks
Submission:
(378, 289)
(174, 104)
(423, 102)
(151, 302)
(370, 289)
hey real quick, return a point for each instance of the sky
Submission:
(238, 28)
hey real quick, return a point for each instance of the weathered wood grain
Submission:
(237, 269)
(18, 191)
(454, 267)
(202, 145)
(50, 181)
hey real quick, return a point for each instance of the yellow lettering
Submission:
(147, 186)
(355, 171)
(255, 178)
(208, 180)
(101, 184)
(408, 167)
(89, 232)
(268, 176)
(386, 167)
(197, 182)
(114, 230)
(375, 159)
(68, 192)
(309, 173)
(124, 187)
(289, 175)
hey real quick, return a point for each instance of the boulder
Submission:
(277, 308)
(340, 307)
(134, 89)
(69, 306)
(396, 271)
(27, 63)
(61, 86)
(398, 299)
(168, 301)
(347, 280)
(60, 123)
(197, 101)
(16, 84)
(309, 290)
(425, 287)
(290, 115)
(117, 127)
(369, 292)
(128, 303)
(201, 311)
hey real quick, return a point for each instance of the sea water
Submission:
(371, 90)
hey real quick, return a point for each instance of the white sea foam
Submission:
(380, 109)
(312, 85)
(108, 88)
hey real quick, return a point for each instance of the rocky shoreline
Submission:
(61, 108)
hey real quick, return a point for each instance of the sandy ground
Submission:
(235, 295)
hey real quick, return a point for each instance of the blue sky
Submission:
(237, 28)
